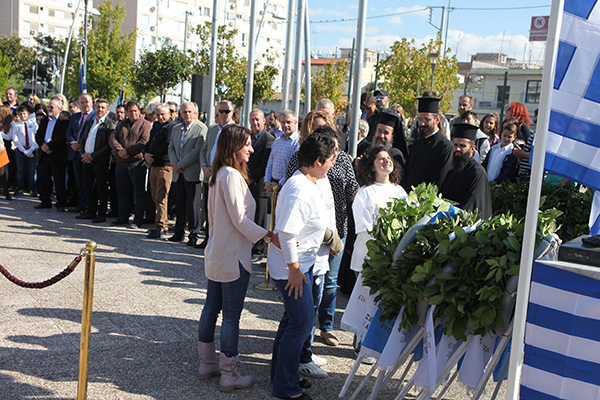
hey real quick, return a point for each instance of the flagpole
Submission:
(533, 202)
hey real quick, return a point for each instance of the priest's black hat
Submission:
(465, 131)
(389, 118)
(429, 105)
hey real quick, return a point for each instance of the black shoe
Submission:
(304, 383)
(85, 215)
(99, 219)
(256, 257)
(42, 206)
(154, 234)
(192, 241)
(119, 222)
(79, 210)
(112, 214)
(59, 208)
(178, 237)
(7, 197)
(202, 245)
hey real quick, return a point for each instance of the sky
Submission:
(474, 26)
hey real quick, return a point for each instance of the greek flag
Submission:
(562, 340)
(573, 149)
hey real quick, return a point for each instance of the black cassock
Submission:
(429, 160)
(469, 188)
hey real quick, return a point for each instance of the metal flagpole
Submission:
(287, 60)
(358, 67)
(84, 55)
(298, 58)
(213, 64)
(307, 64)
(64, 67)
(533, 202)
(251, 58)
(185, 35)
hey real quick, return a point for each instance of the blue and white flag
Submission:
(595, 214)
(562, 340)
(573, 149)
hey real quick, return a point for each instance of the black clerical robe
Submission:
(469, 188)
(429, 161)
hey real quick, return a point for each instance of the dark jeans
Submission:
(327, 307)
(78, 174)
(50, 172)
(317, 291)
(184, 203)
(26, 167)
(294, 327)
(95, 183)
(229, 297)
(131, 182)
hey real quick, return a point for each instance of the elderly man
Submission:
(127, 144)
(209, 150)
(11, 99)
(430, 157)
(77, 124)
(160, 175)
(382, 102)
(51, 138)
(282, 150)
(327, 106)
(96, 159)
(466, 183)
(261, 143)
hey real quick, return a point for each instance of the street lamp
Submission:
(433, 57)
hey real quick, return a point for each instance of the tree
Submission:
(110, 54)
(21, 59)
(4, 73)
(406, 74)
(157, 71)
(329, 83)
(50, 51)
(232, 68)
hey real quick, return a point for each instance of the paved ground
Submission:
(148, 296)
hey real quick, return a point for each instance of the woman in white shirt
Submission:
(301, 217)
(379, 176)
(228, 256)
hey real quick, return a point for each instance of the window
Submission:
(534, 89)
(499, 96)
(33, 9)
(61, 31)
(206, 11)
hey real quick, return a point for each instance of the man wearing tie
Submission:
(187, 140)
(77, 123)
(96, 158)
(51, 139)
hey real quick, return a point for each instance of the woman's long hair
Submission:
(307, 121)
(232, 138)
(365, 175)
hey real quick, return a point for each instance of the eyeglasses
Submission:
(380, 97)
(172, 111)
(224, 111)
(50, 107)
(425, 119)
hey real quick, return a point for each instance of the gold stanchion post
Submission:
(267, 285)
(86, 320)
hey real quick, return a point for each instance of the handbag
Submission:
(4, 158)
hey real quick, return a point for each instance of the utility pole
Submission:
(64, 67)
(287, 60)
(358, 69)
(376, 73)
(185, 35)
(84, 49)
(352, 54)
(298, 59)
(307, 63)
(250, 73)
(212, 77)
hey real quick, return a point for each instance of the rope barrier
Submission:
(40, 285)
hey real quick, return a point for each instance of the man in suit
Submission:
(261, 143)
(207, 154)
(77, 123)
(187, 140)
(51, 138)
(96, 159)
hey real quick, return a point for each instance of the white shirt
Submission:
(322, 261)
(49, 129)
(365, 208)
(90, 143)
(497, 155)
(213, 149)
(300, 212)
(17, 134)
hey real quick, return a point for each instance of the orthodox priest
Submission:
(430, 157)
(466, 183)
(390, 135)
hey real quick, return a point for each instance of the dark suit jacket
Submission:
(58, 144)
(72, 130)
(258, 163)
(101, 147)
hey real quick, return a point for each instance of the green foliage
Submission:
(157, 71)
(406, 74)
(49, 49)
(21, 56)
(110, 54)
(4, 73)
(232, 68)
(329, 83)
(512, 197)
(463, 272)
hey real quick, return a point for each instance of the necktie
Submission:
(26, 135)
(80, 126)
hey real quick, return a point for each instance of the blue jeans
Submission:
(317, 291)
(26, 166)
(294, 327)
(229, 297)
(131, 182)
(327, 307)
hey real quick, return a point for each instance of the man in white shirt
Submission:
(23, 139)
(95, 159)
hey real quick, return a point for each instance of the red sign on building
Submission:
(539, 29)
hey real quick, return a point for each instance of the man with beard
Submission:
(466, 183)
(430, 156)
(382, 102)
(390, 135)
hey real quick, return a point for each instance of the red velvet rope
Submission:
(46, 283)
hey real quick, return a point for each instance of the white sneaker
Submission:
(311, 370)
(368, 360)
(320, 361)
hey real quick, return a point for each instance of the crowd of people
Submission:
(217, 182)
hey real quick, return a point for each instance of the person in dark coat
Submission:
(466, 183)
